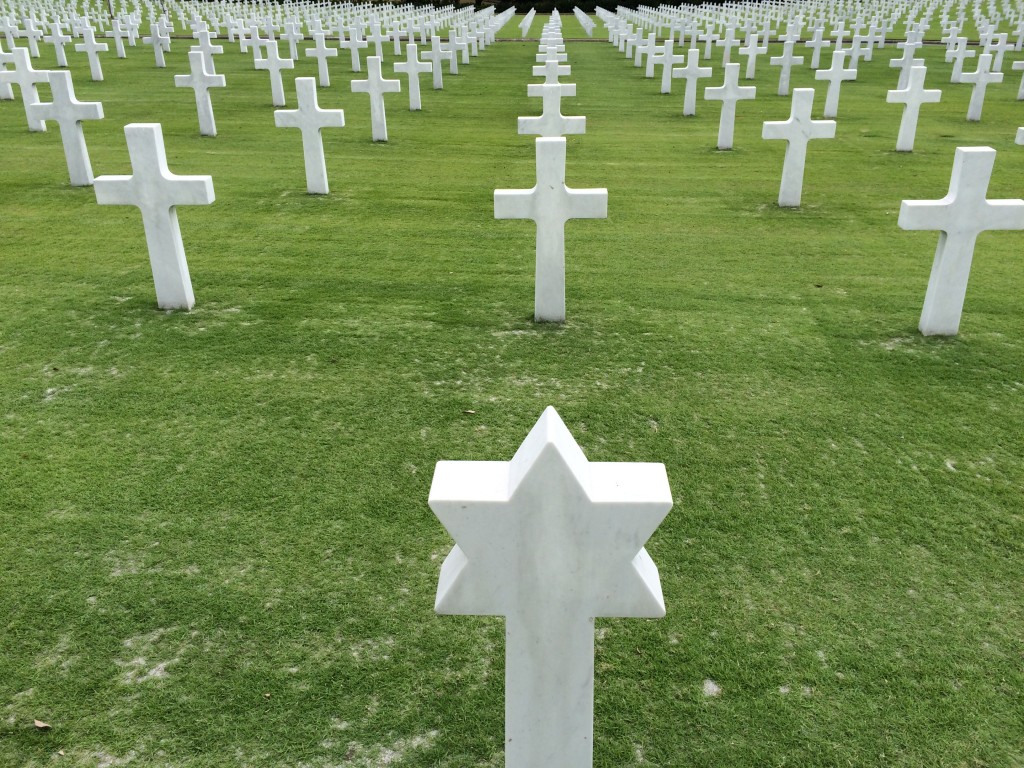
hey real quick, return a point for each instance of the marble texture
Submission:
(157, 192)
(550, 541)
(68, 112)
(550, 203)
(960, 216)
(729, 93)
(551, 122)
(376, 86)
(797, 131)
(912, 97)
(201, 81)
(310, 119)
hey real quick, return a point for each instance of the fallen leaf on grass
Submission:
(471, 412)
(40, 725)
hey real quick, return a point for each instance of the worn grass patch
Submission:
(215, 537)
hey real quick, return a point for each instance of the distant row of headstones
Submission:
(152, 187)
(960, 216)
(550, 203)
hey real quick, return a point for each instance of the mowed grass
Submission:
(216, 545)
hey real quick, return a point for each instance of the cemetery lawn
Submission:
(214, 530)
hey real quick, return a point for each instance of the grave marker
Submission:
(729, 93)
(981, 78)
(913, 96)
(69, 112)
(157, 192)
(201, 81)
(376, 86)
(691, 72)
(961, 216)
(550, 203)
(310, 118)
(797, 131)
(411, 68)
(550, 541)
(551, 122)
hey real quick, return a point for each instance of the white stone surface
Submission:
(960, 216)
(411, 68)
(376, 86)
(1019, 66)
(913, 96)
(981, 78)
(550, 541)
(321, 52)
(835, 75)
(551, 71)
(797, 131)
(201, 81)
(1020, 135)
(691, 72)
(69, 112)
(437, 55)
(729, 93)
(550, 203)
(551, 122)
(26, 77)
(157, 192)
(786, 62)
(310, 118)
(273, 63)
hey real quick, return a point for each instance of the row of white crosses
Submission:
(550, 203)
(548, 540)
(622, 30)
(960, 216)
(152, 187)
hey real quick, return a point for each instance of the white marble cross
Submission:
(961, 216)
(119, 34)
(691, 72)
(321, 52)
(551, 71)
(354, 44)
(550, 541)
(58, 40)
(729, 92)
(913, 96)
(550, 203)
(378, 39)
(980, 78)
(68, 112)
(26, 78)
(957, 54)
(201, 81)
(785, 62)
(436, 55)
(1018, 66)
(274, 63)
(411, 68)
(551, 122)
(206, 47)
(293, 36)
(906, 61)
(797, 131)
(156, 191)
(668, 58)
(160, 43)
(752, 50)
(376, 86)
(816, 43)
(310, 118)
(835, 75)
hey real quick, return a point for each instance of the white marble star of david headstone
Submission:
(550, 541)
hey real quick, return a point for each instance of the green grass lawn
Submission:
(215, 542)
